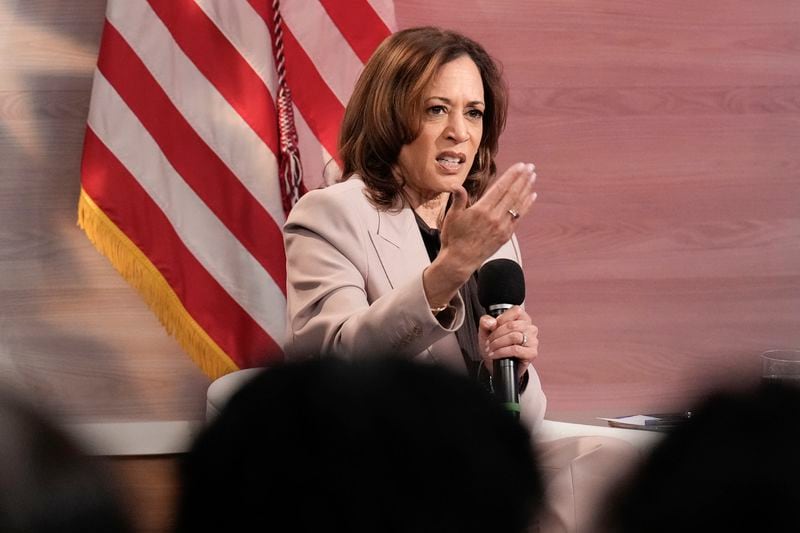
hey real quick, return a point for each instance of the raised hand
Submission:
(471, 234)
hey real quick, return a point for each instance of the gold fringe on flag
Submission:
(140, 272)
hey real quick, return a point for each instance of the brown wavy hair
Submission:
(386, 109)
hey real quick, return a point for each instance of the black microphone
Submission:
(501, 285)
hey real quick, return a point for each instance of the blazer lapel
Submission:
(402, 254)
(399, 246)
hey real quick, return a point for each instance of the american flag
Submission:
(180, 173)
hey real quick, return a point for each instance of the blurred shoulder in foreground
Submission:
(733, 466)
(47, 483)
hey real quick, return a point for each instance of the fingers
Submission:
(521, 196)
(486, 325)
(512, 189)
(511, 346)
(513, 336)
(522, 341)
(502, 185)
(511, 315)
(525, 201)
(460, 198)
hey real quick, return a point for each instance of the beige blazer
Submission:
(354, 286)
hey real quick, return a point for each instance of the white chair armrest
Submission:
(551, 430)
(221, 389)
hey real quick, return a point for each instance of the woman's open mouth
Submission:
(451, 161)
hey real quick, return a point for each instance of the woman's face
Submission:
(441, 156)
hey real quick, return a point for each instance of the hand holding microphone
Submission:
(508, 338)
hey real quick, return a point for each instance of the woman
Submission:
(384, 262)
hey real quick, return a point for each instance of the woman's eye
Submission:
(437, 110)
(475, 113)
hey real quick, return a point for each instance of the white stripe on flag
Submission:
(332, 56)
(385, 10)
(209, 114)
(313, 155)
(204, 235)
(248, 33)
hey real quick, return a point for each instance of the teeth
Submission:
(450, 160)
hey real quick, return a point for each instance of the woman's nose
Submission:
(457, 128)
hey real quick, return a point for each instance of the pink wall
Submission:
(664, 250)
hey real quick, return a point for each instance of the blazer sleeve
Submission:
(329, 258)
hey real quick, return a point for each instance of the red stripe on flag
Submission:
(361, 27)
(321, 108)
(222, 64)
(129, 206)
(199, 166)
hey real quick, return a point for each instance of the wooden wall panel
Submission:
(150, 488)
(664, 252)
(72, 332)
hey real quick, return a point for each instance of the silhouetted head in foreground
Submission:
(734, 466)
(391, 446)
(47, 484)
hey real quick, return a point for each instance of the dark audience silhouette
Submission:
(47, 483)
(392, 446)
(733, 466)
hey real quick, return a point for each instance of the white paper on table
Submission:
(630, 422)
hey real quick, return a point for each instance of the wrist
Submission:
(440, 285)
(438, 309)
(451, 267)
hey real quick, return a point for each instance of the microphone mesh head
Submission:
(501, 281)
